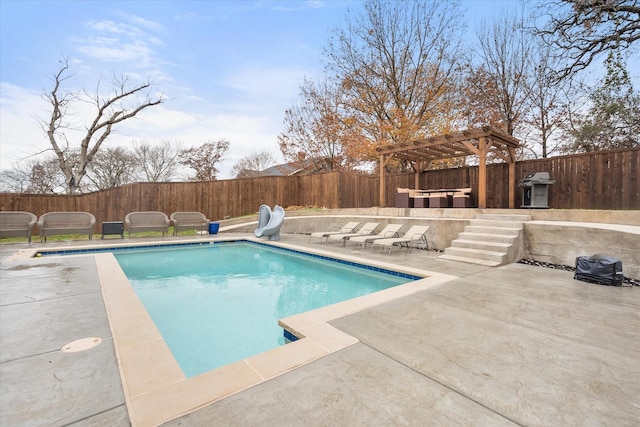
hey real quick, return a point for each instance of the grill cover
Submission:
(601, 269)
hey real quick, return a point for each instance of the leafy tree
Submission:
(203, 159)
(396, 65)
(315, 131)
(256, 161)
(480, 94)
(582, 30)
(121, 101)
(157, 163)
(613, 121)
(112, 167)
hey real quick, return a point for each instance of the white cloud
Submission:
(145, 23)
(126, 42)
(270, 85)
(20, 134)
(246, 133)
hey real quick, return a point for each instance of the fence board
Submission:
(596, 180)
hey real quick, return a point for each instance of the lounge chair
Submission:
(389, 231)
(368, 229)
(415, 234)
(349, 227)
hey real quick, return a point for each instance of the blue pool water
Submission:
(217, 304)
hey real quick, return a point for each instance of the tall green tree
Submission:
(613, 120)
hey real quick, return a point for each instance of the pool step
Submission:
(489, 239)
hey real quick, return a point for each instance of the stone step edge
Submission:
(484, 262)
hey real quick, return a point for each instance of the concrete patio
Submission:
(510, 345)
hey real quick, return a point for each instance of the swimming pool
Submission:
(216, 304)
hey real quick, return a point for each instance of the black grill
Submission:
(536, 179)
(535, 193)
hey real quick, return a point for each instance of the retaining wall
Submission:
(556, 236)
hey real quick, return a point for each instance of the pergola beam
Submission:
(480, 142)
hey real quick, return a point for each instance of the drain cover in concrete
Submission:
(81, 345)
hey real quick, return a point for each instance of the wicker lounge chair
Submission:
(189, 221)
(414, 235)
(17, 224)
(147, 221)
(389, 231)
(349, 227)
(368, 229)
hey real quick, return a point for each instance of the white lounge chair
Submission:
(415, 234)
(349, 227)
(366, 230)
(389, 231)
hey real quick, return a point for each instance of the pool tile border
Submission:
(86, 251)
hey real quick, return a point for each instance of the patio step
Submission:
(494, 247)
(470, 260)
(477, 254)
(499, 231)
(490, 239)
(505, 217)
(497, 223)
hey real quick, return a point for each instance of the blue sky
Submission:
(228, 68)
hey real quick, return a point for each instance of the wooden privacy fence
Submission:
(600, 180)
(597, 180)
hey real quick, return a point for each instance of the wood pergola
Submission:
(480, 142)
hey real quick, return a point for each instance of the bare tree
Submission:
(46, 177)
(203, 159)
(397, 64)
(157, 163)
(34, 177)
(582, 30)
(15, 180)
(112, 167)
(254, 162)
(550, 105)
(504, 52)
(122, 101)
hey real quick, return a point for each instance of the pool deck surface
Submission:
(492, 346)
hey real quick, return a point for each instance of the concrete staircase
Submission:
(490, 239)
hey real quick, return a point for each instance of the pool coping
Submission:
(155, 388)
